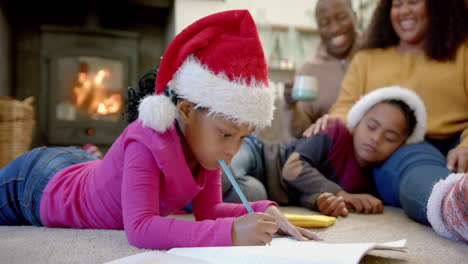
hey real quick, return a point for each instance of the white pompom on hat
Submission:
(409, 97)
(216, 63)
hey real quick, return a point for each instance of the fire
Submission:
(92, 95)
(110, 105)
(100, 77)
(102, 110)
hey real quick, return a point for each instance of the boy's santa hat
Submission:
(216, 63)
(409, 97)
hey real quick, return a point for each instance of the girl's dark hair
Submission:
(146, 86)
(409, 114)
(447, 28)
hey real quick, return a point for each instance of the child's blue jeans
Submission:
(249, 171)
(23, 181)
(406, 179)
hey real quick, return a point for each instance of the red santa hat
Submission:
(216, 63)
(409, 97)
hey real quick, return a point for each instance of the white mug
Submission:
(305, 88)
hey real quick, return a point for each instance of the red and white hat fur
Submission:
(409, 97)
(448, 205)
(216, 63)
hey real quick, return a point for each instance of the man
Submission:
(336, 22)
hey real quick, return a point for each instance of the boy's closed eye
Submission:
(372, 125)
(391, 137)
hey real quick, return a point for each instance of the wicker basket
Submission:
(16, 127)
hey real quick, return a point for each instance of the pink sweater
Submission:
(142, 179)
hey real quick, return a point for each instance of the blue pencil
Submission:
(236, 187)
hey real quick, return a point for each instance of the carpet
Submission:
(28, 244)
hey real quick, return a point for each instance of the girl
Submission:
(319, 172)
(403, 46)
(211, 91)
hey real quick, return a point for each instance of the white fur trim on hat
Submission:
(236, 100)
(358, 110)
(434, 204)
(157, 112)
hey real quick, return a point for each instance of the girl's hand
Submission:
(457, 160)
(317, 127)
(362, 203)
(253, 229)
(332, 205)
(286, 228)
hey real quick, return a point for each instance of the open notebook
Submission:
(281, 250)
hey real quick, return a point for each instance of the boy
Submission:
(329, 172)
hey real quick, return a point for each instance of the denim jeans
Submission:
(249, 158)
(406, 179)
(23, 181)
(248, 168)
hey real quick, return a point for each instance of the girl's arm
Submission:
(144, 227)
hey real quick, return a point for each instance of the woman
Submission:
(422, 45)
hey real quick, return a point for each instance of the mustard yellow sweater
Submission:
(443, 86)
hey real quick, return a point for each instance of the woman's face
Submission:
(409, 19)
(213, 138)
(335, 20)
(382, 130)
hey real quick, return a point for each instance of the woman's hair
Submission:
(407, 112)
(447, 28)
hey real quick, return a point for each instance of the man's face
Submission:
(335, 20)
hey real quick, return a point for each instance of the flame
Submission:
(100, 77)
(102, 110)
(110, 105)
(91, 94)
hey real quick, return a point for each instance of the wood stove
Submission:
(85, 73)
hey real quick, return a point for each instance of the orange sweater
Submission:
(443, 86)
